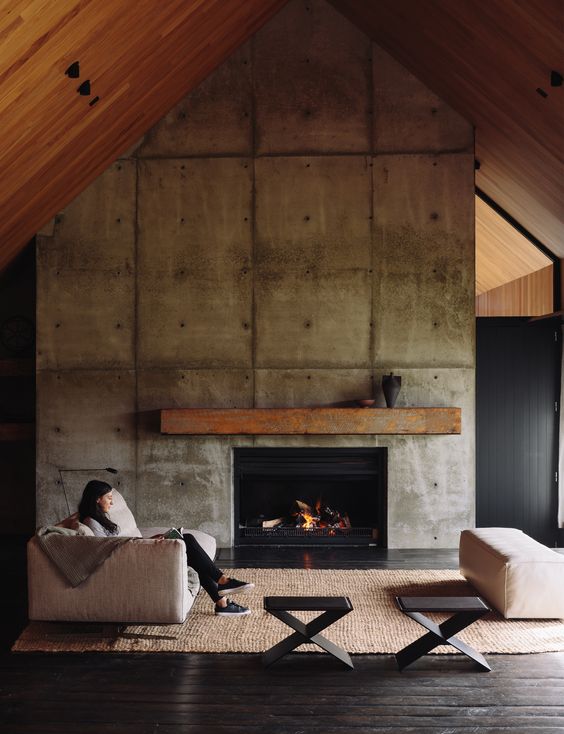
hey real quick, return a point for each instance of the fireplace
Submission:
(310, 496)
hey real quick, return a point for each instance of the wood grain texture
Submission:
(502, 253)
(487, 59)
(311, 421)
(531, 295)
(141, 57)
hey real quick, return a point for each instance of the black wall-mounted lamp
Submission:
(84, 89)
(109, 469)
(73, 72)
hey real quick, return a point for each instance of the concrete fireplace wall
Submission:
(299, 225)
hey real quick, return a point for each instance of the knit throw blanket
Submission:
(76, 556)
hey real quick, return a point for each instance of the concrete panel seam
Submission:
(435, 153)
(253, 231)
(186, 157)
(136, 331)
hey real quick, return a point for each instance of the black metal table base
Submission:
(310, 631)
(444, 633)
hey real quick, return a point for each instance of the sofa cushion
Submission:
(73, 523)
(208, 542)
(123, 517)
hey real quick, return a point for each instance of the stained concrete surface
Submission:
(415, 120)
(312, 82)
(316, 320)
(424, 260)
(194, 256)
(313, 213)
(208, 121)
(86, 282)
(86, 419)
(184, 481)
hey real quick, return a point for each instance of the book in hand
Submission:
(173, 533)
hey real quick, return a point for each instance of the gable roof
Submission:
(141, 57)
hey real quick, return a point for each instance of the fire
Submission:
(319, 516)
(309, 521)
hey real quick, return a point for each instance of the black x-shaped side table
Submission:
(333, 608)
(465, 609)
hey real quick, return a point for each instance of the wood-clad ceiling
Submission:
(141, 57)
(502, 253)
(487, 58)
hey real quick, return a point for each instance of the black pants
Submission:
(208, 573)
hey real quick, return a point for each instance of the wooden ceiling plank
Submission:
(503, 254)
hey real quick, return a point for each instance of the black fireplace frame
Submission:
(365, 462)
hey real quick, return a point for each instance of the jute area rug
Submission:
(375, 625)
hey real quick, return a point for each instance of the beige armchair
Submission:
(143, 580)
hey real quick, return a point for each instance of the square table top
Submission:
(442, 604)
(307, 603)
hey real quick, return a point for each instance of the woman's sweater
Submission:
(99, 530)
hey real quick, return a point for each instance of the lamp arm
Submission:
(64, 491)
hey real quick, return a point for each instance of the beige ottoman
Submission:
(516, 575)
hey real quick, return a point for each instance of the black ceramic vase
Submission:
(391, 385)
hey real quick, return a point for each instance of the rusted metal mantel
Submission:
(316, 421)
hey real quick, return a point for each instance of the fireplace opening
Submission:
(304, 496)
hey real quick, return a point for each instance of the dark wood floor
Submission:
(301, 694)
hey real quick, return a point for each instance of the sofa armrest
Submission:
(142, 581)
(207, 541)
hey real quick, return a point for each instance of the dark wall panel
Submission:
(517, 390)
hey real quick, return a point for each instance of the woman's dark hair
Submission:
(88, 507)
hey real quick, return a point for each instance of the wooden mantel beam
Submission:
(310, 421)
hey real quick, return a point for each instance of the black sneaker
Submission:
(233, 587)
(231, 610)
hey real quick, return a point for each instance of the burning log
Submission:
(272, 523)
(304, 515)
(318, 517)
(322, 516)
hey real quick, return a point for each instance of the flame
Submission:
(310, 521)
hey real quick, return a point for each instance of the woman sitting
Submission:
(93, 511)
